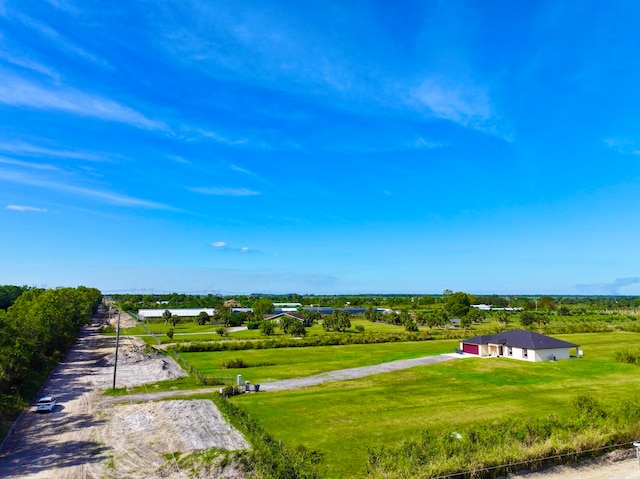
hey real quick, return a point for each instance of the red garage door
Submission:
(470, 348)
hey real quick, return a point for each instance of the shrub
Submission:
(628, 357)
(359, 328)
(267, 328)
(221, 331)
(229, 391)
(253, 324)
(234, 364)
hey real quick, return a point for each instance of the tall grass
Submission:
(488, 449)
(269, 458)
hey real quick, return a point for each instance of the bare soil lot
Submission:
(84, 438)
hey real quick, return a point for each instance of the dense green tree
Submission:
(494, 300)
(338, 321)
(261, 307)
(411, 326)
(475, 315)
(166, 316)
(287, 323)
(222, 315)
(9, 293)
(457, 304)
(527, 318)
(203, 318)
(267, 328)
(546, 302)
(297, 329)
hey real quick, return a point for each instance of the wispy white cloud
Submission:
(28, 149)
(623, 146)
(57, 39)
(222, 245)
(63, 5)
(464, 103)
(179, 159)
(212, 135)
(99, 195)
(239, 169)
(21, 93)
(426, 144)
(225, 191)
(24, 62)
(26, 208)
(27, 164)
(281, 49)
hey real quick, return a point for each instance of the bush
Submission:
(234, 364)
(267, 328)
(221, 331)
(359, 328)
(229, 391)
(253, 324)
(628, 357)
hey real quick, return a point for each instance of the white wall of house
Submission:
(532, 355)
(548, 354)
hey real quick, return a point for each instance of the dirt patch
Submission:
(137, 365)
(140, 436)
(84, 437)
(615, 465)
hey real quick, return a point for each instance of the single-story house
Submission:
(520, 344)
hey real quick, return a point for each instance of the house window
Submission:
(510, 351)
(525, 354)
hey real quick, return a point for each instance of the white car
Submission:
(46, 404)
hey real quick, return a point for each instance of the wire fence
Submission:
(541, 461)
(144, 326)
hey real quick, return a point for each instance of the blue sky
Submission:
(321, 147)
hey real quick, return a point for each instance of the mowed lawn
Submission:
(283, 363)
(343, 419)
(191, 331)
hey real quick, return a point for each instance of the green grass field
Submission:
(343, 419)
(191, 331)
(273, 364)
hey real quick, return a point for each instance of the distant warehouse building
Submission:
(180, 312)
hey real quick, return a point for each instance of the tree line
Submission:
(36, 329)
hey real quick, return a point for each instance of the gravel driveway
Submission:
(354, 373)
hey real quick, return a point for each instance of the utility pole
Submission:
(115, 362)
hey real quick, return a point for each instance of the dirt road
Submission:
(81, 440)
(60, 444)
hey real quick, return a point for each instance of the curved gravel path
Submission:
(354, 373)
(296, 383)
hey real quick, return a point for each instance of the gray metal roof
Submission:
(520, 338)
